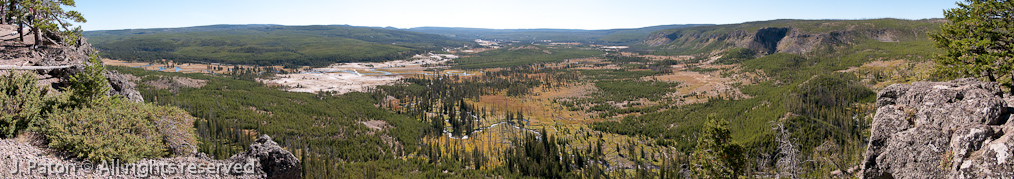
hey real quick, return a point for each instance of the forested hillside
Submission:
(605, 37)
(266, 44)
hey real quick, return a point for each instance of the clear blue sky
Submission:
(500, 14)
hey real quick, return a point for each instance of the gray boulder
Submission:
(955, 129)
(120, 85)
(275, 161)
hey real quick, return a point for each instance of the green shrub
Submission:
(716, 155)
(116, 129)
(22, 102)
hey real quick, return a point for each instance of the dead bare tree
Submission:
(788, 160)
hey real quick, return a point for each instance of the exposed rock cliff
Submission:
(956, 129)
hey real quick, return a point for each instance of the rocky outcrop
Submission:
(275, 161)
(956, 129)
(60, 63)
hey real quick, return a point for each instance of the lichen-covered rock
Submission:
(275, 161)
(955, 129)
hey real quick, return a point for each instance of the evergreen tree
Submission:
(47, 17)
(89, 84)
(979, 40)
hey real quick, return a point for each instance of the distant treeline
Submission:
(605, 37)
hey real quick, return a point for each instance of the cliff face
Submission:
(769, 40)
(956, 129)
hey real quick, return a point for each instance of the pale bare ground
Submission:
(474, 50)
(710, 84)
(584, 60)
(572, 91)
(559, 114)
(659, 57)
(875, 64)
(335, 82)
(712, 59)
(166, 83)
(349, 77)
(375, 124)
(577, 63)
(416, 61)
(340, 78)
(184, 68)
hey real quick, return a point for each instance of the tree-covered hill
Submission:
(266, 44)
(607, 37)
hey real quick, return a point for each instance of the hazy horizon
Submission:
(524, 14)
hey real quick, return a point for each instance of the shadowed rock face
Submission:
(955, 129)
(767, 39)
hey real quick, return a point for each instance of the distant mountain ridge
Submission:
(98, 33)
(789, 36)
(606, 37)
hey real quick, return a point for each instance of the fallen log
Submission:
(12, 67)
